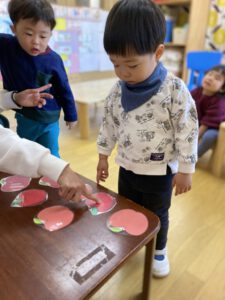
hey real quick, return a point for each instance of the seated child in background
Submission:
(149, 114)
(26, 61)
(210, 103)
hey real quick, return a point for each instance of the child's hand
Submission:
(182, 183)
(71, 125)
(32, 97)
(102, 168)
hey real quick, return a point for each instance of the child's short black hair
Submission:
(134, 26)
(36, 10)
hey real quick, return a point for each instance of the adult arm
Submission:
(24, 157)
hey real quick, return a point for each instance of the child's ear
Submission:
(13, 28)
(159, 51)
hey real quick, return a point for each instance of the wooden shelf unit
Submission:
(172, 2)
(198, 20)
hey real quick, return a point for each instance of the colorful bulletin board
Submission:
(215, 35)
(77, 37)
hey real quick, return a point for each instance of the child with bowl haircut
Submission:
(26, 61)
(149, 114)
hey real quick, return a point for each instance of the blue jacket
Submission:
(21, 71)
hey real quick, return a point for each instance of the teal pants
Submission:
(46, 135)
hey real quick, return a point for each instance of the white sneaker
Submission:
(161, 265)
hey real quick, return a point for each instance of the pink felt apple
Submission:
(129, 220)
(48, 182)
(54, 217)
(107, 203)
(14, 183)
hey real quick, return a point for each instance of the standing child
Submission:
(210, 103)
(26, 61)
(150, 114)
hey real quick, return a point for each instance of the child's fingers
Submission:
(44, 87)
(46, 95)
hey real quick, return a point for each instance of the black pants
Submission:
(152, 192)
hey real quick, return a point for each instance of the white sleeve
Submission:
(185, 124)
(6, 101)
(23, 157)
(107, 134)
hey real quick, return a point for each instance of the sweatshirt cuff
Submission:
(52, 166)
(104, 151)
(186, 168)
(7, 102)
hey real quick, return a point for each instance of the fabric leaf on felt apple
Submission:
(14, 183)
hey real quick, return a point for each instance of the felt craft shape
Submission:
(54, 218)
(129, 221)
(30, 198)
(106, 204)
(48, 182)
(14, 183)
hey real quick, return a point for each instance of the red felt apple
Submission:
(30, 198)
(14, 183)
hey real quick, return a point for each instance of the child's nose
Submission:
(35, 40)
(124, 72)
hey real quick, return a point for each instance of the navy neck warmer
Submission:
(134, 95)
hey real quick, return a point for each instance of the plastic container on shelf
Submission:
(180, 35)
(169, 29)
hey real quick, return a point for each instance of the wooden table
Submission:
(86, 93)
(69, 264)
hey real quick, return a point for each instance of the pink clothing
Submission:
(210, 109)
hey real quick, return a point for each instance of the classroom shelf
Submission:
(175, 45)
(172, 2)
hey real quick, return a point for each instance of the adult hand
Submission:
(32, 97)
(72, 187)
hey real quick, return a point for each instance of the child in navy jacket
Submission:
(26, 61)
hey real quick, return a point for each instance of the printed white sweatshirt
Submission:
(163, 131)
